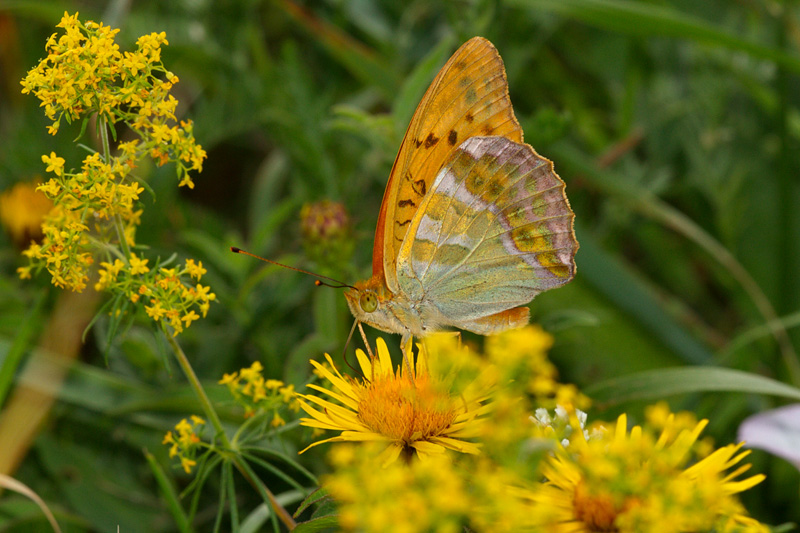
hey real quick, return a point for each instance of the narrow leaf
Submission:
(669, 381)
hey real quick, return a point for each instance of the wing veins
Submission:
(450, 202)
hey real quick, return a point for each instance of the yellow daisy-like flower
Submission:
(413, 415)
(636, 481)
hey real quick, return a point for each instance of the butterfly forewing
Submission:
(469, 97)
(494, 231)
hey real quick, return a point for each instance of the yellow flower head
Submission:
(639, 481)
(428, 495)
(256, 394)
(412, 414)
(138, 266)
(185, 442)
(55, 164)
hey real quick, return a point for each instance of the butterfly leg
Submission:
(405, 347)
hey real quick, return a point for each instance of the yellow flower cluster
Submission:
(515, 368)
(167, 297)
(615, 481)
(185, 441)
(97, 208)
(643, 480)
(65, 250)
(429, 495)
(86, 73)
(542, 473)
(522, 356)
(256, 394)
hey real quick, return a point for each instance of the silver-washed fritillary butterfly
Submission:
(474, 223)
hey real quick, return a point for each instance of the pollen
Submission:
(405, 410)
(596, 511)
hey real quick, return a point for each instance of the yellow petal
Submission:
(364, 363)
(459, 445)
(390, 454)
(427, 448)
(337, 382)
(383, 357)
(343, 399)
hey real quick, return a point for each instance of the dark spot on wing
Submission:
(420, 187)
(430, 140)
(471, 96)
(405, 223)
(452, 137)
(468, 117)
(406, 203)
(487, 130)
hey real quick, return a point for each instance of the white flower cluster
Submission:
(560, 423)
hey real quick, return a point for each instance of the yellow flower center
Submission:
(596, 511)
(404, 410)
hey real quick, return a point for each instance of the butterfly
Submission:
(474, 223)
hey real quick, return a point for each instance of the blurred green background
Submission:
(674, 124)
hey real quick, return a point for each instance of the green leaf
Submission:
(314, 498)
(655, 384)
(168, 491)
(317, 524)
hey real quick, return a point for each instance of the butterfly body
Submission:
(474, 223)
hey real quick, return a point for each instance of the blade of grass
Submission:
(760, 331)
(168, 490)
(786, 176)
(10, 483)
(670, 381)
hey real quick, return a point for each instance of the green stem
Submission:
(212, 416)
(102, 129)
(123, 242)
(194, 382)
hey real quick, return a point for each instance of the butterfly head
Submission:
(368, 301)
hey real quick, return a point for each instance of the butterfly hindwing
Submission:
(468, 97)
(494, 231)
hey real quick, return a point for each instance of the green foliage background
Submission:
(674, 124)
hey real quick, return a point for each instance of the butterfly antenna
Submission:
(319, 282)
(344, 352)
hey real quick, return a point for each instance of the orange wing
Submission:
(468, 97)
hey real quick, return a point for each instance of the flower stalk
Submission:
(213, 417)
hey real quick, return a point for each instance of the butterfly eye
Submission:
(368, 301)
